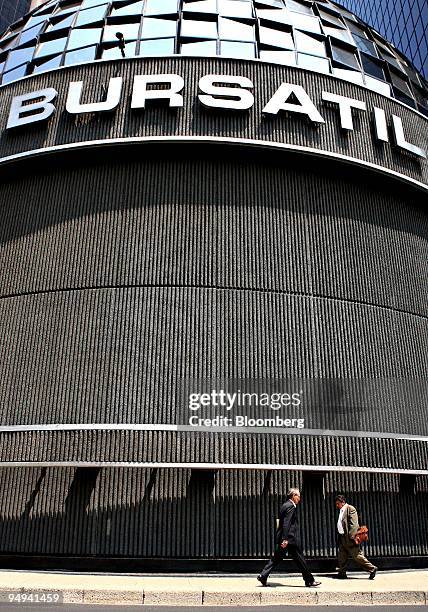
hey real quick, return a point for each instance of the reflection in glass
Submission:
(343, 56)
(157, 28)
(365, 45)
(91, 15)
(89, 3)
(305, 22)
(276, 38)
(371, 67)
(309, 44)
(164, 7)
(14, 74)
(84, 37)
(129, 9)
(235, 8)
(30, 34)
(279, 57)
(376, 85)
(20, 56)
(300, 7)
(115, 53)
(198, 29)
(162, 46)
(311, 62)
(331, 19)
(237, 49)
(349, 75)
(202, 6)
(80, 56)
(340, 34)
(128, 30)
(235, 30)
(50, 64)
(35, 20)
(51, 47)
(206, 47)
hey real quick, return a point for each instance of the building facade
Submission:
(405, 23)
(11, 10)
(203, 196)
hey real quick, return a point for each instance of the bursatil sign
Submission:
(216, 91)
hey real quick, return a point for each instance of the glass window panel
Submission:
(115, 53)
(340, 34)
(274, 3)
(35, 20)
(279, 57)
(128, 30)
(48, 5)
(61, 25)
(397, 81)
(235, 30)
(51, 64)
(14, 74)
(202, 6)
(9, 44)
(355, 28)
(391, 60)
(343, 56)
(311, 62)
(84, 37)
(91, 15)
(158, 28)
(275, 17)
(65, 10)
(276, 38)
(376, 85)
(162, 46)
(309, 44)
(135, 8)
(237, 49)
(332, 19)
(299, 7)
(365, 45)
(20, 56)
(198, 29)
(306, 22)
(51, 47)
(162, 7)
(1, 67)
(349, 75)
(30, 34)
(80, 56)
(371, 67)
(207, 47)
(89, 3)
(235, 8)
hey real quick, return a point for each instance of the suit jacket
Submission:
(288, 528)
(350, 522)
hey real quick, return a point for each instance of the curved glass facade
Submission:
(318, 36)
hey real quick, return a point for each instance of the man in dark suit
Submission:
(288, 540)
(347, 527)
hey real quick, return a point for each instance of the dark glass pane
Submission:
(365, 45)
(371, 67)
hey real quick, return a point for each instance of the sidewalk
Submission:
(389, 587)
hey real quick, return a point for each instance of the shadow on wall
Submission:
(200, 514)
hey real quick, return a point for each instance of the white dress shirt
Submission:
(339, 520)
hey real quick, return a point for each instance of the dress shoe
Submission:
(342, 576)
(313, 584)
(373, 574)
(262, 580)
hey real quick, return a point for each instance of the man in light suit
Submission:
(347, 527)
(288, 539)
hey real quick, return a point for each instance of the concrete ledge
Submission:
(171, 598)
(399, 597)
(102, 596)
(231, 598)
(334, 598)
(286, 598)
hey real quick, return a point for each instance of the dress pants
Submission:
(348, 548)
(296, 554)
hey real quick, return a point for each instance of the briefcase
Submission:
(362, 534)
